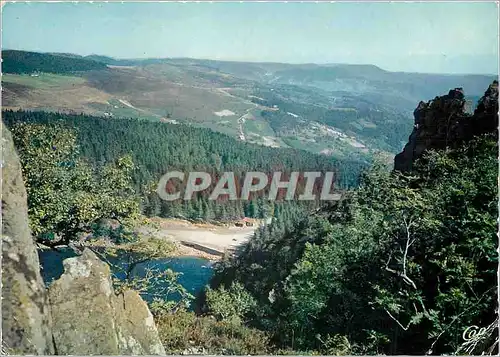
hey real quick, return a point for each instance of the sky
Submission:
(413, 37)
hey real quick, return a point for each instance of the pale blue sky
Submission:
(422, 37)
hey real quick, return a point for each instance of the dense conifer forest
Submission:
(156, 148)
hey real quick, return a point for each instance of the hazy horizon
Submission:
(242, 61)
(447, 38)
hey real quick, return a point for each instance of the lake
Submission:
(196, 272)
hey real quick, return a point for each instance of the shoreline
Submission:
(201, 240)
(180, 250)
(198, 239)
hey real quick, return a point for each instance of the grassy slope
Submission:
(45, 80)
(176, 95)
(50, 92)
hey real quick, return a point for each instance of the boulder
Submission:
(486, 112)
(89, 318)
(25, 311)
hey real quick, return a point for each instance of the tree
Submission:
(403, 265)
(232, 303)
(66, 195)
(157, 148)
(160, 285)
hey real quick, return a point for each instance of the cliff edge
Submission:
(443, 123)
(80, 313)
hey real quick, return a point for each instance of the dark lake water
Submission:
(196, 272)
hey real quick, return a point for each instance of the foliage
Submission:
(183, 330)
(66, 195)
(157, 148)
(142, 250)
(161, 286)
(404, 265)
(232, 303)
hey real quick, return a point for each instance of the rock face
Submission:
(136, 329)
(79, 314)
(88, 318)
(443, 123)
(486, 113)
(25, 312)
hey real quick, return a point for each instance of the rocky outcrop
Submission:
(25, 312)
(88, 318)
(486, 113)
(79, 314)
(443, 123)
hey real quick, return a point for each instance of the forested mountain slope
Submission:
(22, 62)
(156, 148)
(403, 265)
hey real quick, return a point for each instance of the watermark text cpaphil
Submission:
(175, 185)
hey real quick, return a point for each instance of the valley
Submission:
(343, 111)
(412, 239)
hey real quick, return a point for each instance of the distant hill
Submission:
(346, 111)
(104, 59)
(125, 62)
(23, 62)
